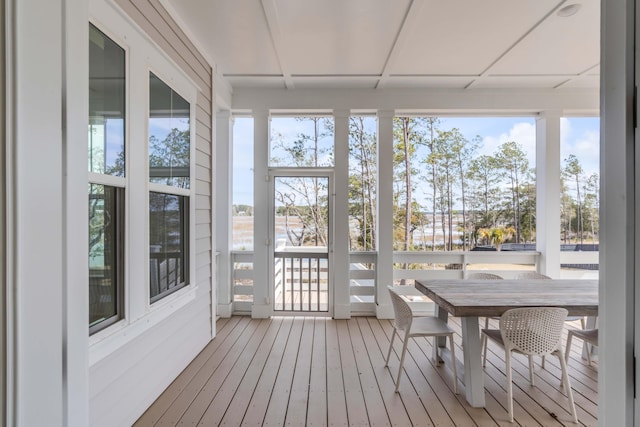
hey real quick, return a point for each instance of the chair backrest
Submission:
(401, 310)
(531, 275)
(533, 330)
(483, 276)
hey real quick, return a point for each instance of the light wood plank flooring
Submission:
(318, 371)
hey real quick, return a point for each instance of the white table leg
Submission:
(473, 373)
(440, 341)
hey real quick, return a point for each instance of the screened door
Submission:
(301, 280)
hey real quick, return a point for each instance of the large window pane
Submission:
(301, 142)
(243, 184)
(464, 183)
(580, 197)
(362, 183)
(105, 265)
(169, 135)
(168, 243)
(106, 105)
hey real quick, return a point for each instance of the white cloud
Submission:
(566, 130)
(523, 133)
(587, 149)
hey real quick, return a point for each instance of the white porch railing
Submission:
(301, 278)
(408, 266)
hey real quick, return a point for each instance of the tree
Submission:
(462, 151)
(302, 197)
(496, 235)
(573, 170)
(514, 164)
(592, 203)
(432, 124)
(169, 158)
(362, 181)
(405, 148)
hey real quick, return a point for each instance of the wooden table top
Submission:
(465, 297)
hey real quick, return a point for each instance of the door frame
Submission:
(295, 172)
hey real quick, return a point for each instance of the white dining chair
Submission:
(531, 275)
(484, 276)
(528, 275)
(589, 336)
(532, 331)
(417, 326)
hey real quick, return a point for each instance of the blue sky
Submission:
(579, 136)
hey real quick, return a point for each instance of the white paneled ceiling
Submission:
(461, 44)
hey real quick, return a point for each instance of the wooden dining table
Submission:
(470, 299)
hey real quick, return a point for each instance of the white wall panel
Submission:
(126, 381)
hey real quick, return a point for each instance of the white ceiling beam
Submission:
(495, 101)
(273, 23)
(577, 76)
(408, 23)
(487, 70)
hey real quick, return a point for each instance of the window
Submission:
(362, 183)
(464, 183)
(301, 141)
(242, 184)
(106, 153)
(169, 177)
(105, 255)
(579, 196)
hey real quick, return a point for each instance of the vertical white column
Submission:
(223, 218)
(35, 169)
(619, 233)
(261, 271)
(548, 192)
(75, 279)
(4, 329)
(341, 296)
(384, 264)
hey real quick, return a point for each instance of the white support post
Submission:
(261, 304)
(619, 233)
(548, 192)
(36, 237)
(75, 278)
(223, 217)
(341, 295)
(384, 264)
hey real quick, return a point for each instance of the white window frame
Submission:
(142, 57)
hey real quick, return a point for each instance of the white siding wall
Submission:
(125, 382)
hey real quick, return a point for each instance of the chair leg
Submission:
(531, 377)
(404, 350)
(393, 335)
(483, 345)
(565, 376)
(542, 363)
(507, 357)
(453, 364)
(568, 349)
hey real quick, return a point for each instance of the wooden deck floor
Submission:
(319, 371)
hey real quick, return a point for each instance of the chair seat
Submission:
(494, 334)
(430, 326)
(589, 335)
